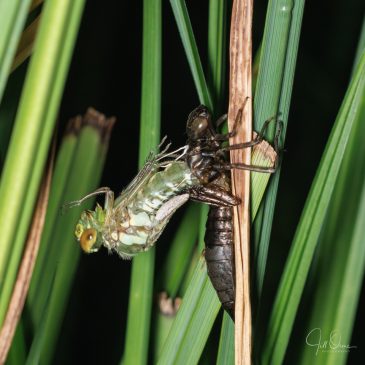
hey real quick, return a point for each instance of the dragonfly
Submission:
(133, 222)
(208, 162)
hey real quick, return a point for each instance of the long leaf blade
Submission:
(309, 228)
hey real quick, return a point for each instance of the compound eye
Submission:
(78, 231)
(88, 239)
(199, 126)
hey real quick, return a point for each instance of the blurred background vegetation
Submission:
(105, 73)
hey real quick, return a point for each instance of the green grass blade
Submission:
(309, 228)
(87, 167)
(226, 342)
(190, 271)
(140, 299)
(18, 349)
(36, 114)
(197, 334)
(360, 45)
(179, 328)
(180, 252)
(13, 14)
(217, 31)
(162, 324)
(191, 51)
(61, 172)
(340, 257)
(273, 94)
(8, 110)
(34, 353)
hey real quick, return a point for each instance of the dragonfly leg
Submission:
(221, 120)
(109, 198)
(213, 195)
(224, 166)
(233, 132)
(259, 137)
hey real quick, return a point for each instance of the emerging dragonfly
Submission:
(207, 160)
(133, 222)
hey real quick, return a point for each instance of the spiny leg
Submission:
(241, 166)
(223, 118)
(233, 132)
(213, 195)
(108, 204)
(257, 140)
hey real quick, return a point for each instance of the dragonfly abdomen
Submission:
(219, 255)
(163, 185)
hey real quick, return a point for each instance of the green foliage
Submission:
(33, 129)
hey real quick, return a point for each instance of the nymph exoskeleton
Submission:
(207, 160)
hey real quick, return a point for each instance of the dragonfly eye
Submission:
(78, 231)
(87, 240)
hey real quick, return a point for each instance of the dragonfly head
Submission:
(88, 229)
(199, 123)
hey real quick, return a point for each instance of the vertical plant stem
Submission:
(240, 96)
(140, 297)
(272, 97)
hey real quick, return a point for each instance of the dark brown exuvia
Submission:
(207, 160)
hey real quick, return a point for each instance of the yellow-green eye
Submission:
(78, 231)
(87, 240)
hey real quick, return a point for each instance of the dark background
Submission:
(106, 74)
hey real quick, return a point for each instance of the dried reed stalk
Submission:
(26, 267)
(240, 98)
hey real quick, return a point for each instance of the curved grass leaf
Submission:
(340, 258)
(191, 51)
(310, 225)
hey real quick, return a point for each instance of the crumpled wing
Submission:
(141, 178)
